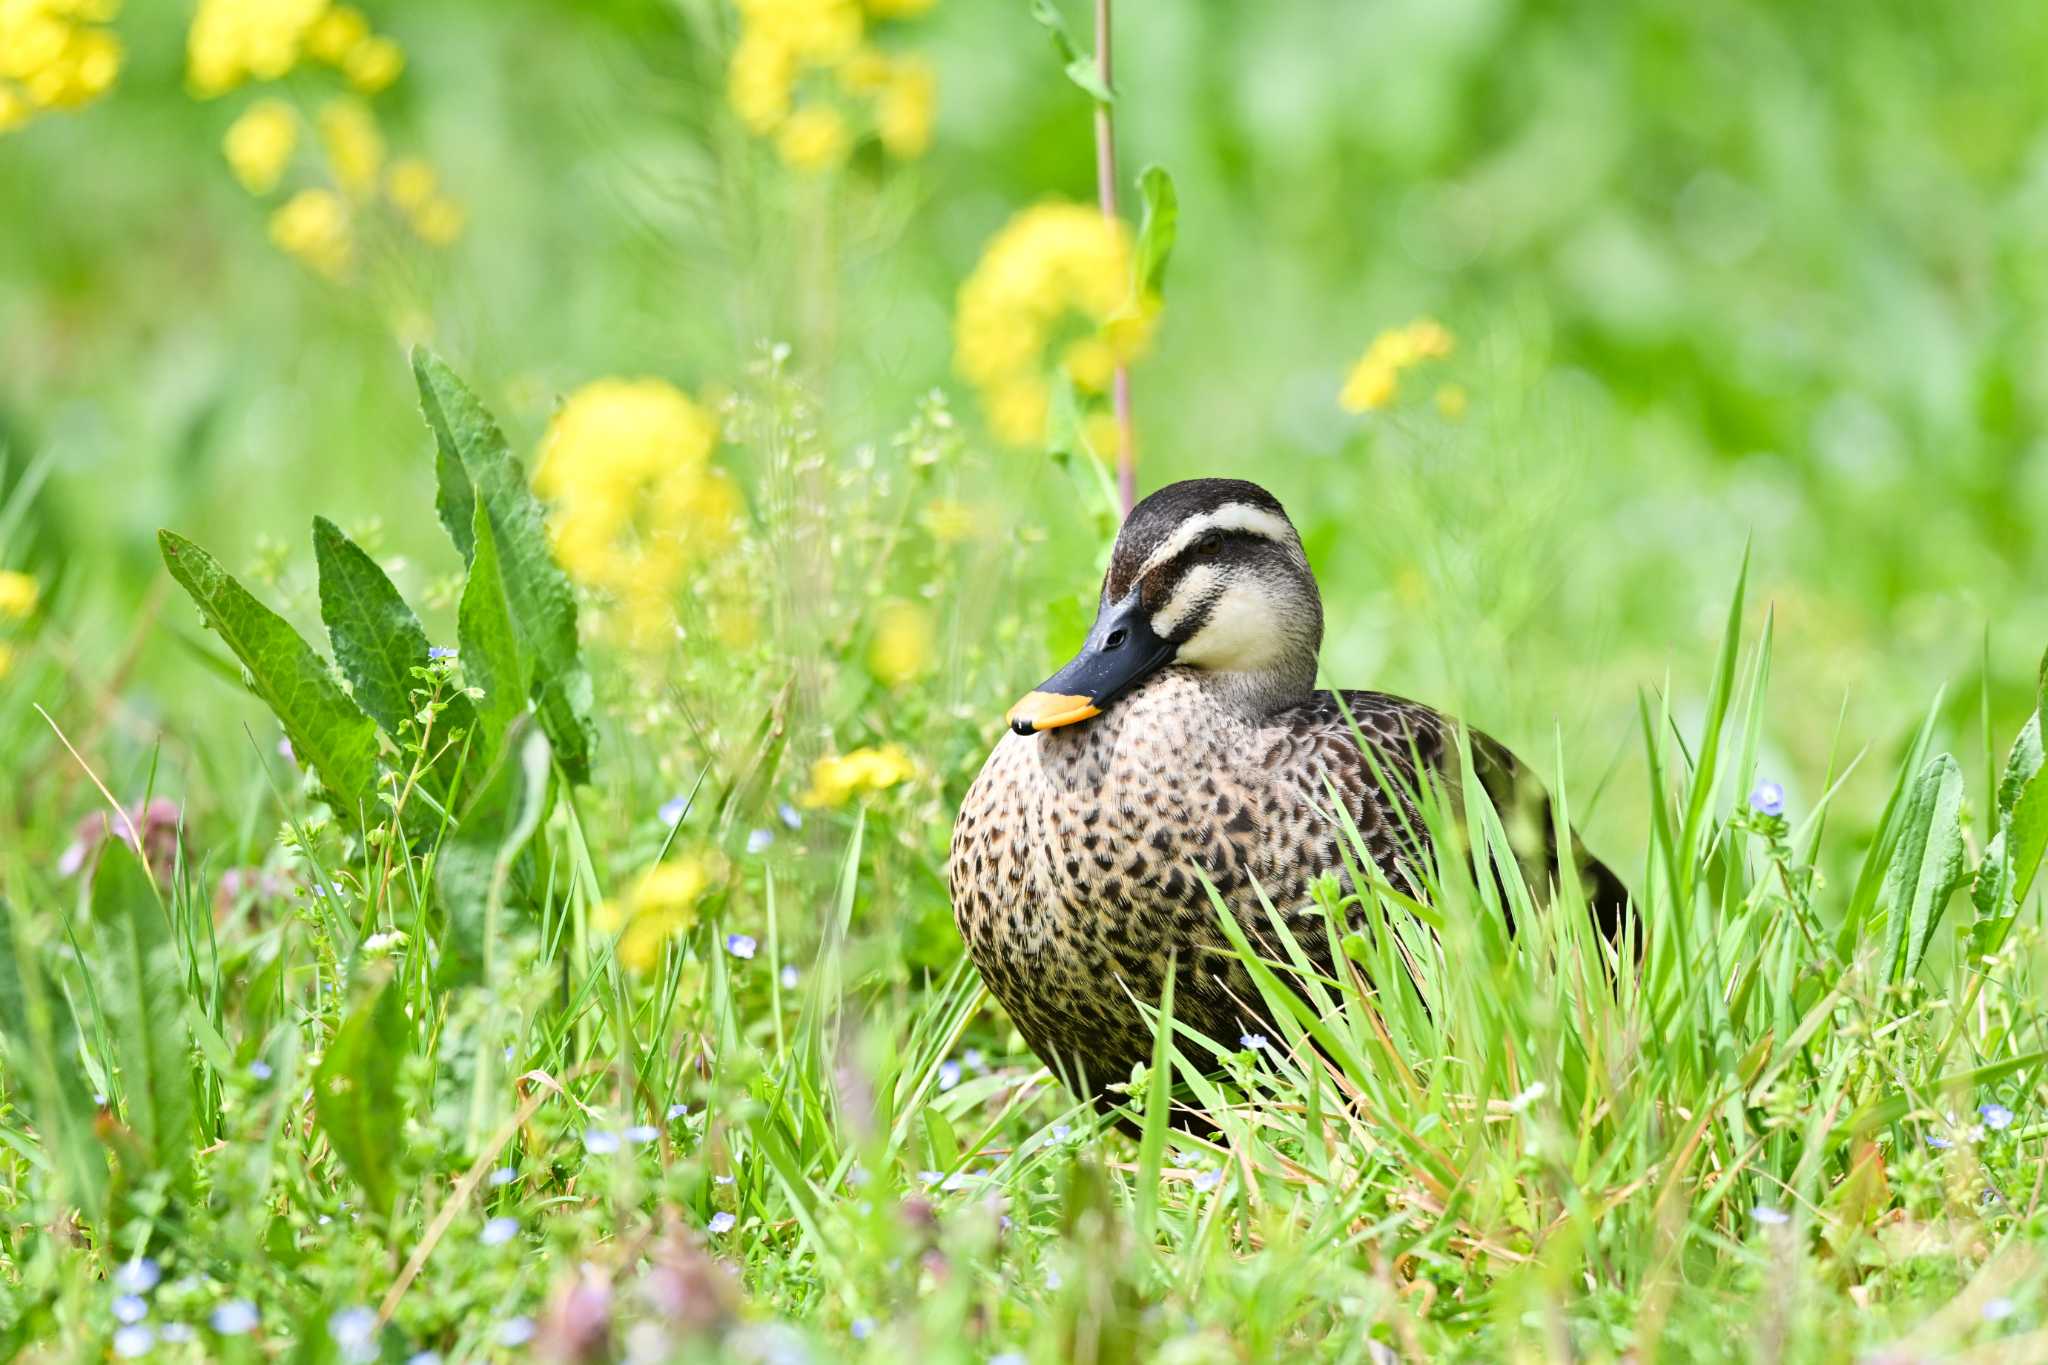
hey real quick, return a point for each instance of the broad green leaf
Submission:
(42, 1066)
(543, 607)
(1080, 68)
(485, 862)
(377, 640)
(327, 730)
(2013, 857)
(355, 1092)
(491, 657)
(141, 984)
(1157, 229)
(1927, 864)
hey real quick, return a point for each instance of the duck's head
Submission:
(1209, 575)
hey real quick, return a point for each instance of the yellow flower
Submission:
(1090, 362)
(635, 500)
(835, 779)
(1048, 265)
(897, 9)
(901, 650)
(759, 83)
(439, 221)
(1451, 400)
(814, 139)
(337, 33)
(355, 149)
(1375, 380)
(817, 33)
(948, 521)
(259, 144)
(6, 659)
(1104, 435)
(56, 56)
(232, 41)
(313, 226)
(373, 64)
(18, 594)
(906, 107)
(410, 182)
(662, 904)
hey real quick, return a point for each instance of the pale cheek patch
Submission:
(1242, 633)
(1193, 589)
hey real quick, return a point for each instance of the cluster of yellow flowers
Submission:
(54, 54)
(1375, 380)
(662, 904)
(837, 778)
(1050, 265)
(236, 40)
(18, 595)
(232, 41)
(901, 650)
(636, 501)
(783, 44)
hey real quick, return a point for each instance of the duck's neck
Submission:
(1253, 695)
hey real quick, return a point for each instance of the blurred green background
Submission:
(1729, 275)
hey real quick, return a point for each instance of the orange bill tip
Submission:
(1049, 711)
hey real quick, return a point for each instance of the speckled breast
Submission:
(1073, 872)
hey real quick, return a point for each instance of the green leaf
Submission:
(1157, 229)
(491, 657)
(42, 1065)
(377, 640)
(355, 1092)
(1079, 66)
(543, 608)
(2013, 857)
(480, 866)
(327, 730)
(1927, 864)
(142, 991)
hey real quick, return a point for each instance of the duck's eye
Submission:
(1209, 546)
(1114, 639)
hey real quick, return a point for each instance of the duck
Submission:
(1187, 746)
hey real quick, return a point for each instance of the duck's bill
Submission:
(1121, 651)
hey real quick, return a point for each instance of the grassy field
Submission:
(506, 917)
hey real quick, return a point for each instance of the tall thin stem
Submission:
(1105, 191)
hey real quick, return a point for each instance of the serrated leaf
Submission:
(142, 993)
(543, 608)
(485, 863)
(355, 1093)
(377, 640)
(327, 730)
(2023, 807)
(491, 657)
(1157, 229)
(1927, 864)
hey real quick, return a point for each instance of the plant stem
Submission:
(1105, 190)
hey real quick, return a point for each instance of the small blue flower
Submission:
(790, 815)
(975, 1061)
(260, 1070)
(1009, 1357)
(1252, 1042)
(760, 840)
(1768, 799)
(499, 1231)
(504, 1175)
(516, 1331)
(740, 945)
(234, 1318)
(674, 809)
(424, 1358)
(642, 1133)
(721, 1222)
(1939, 1144)
(442, 652)
(130, 1342)
(138, 1276)
(1206, 1180)
(130, 1308)
(1764, 1213)
(600, 1141)
(677, 1110)
(862, 1328)
(354, 1330)
(949, 1074)
(176, 1332)
(788, 978)
(1062, 1131)
(1996, 1117)
(1999, 1309)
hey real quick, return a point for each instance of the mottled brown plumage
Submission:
(1075, 851)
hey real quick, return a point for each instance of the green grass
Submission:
(1726, 278)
